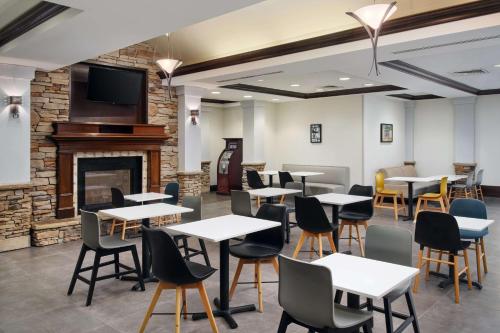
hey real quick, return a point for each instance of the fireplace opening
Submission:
(96, 177)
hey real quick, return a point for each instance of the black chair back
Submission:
(274, 237)
(438, 231)
(117, 199)
(168, 264)
(241, 203)
(254, 180)
(285, 177)
(310, 215)
(173, 190)
(363, 207)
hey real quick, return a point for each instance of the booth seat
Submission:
(334, 179)
(408, 171)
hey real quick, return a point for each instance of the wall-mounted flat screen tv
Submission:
(116, 86)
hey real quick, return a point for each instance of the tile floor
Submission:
(34, 282)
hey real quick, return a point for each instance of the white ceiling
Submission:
(98, 27)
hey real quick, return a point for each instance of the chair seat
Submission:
(201, 272)
(389, 192)
(348, 317)
(250, 250)
(114, 242)
(353, 216)
(467, 234)
(459, 186)
(317, 230)
(430, 195)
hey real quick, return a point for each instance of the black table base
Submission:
(449, 281)
(410, 216)
(226, 314)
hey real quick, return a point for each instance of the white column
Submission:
(464, 129)
(189, 98)
(409, 129)
(254, 118)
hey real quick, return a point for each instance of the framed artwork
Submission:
(386, 132)
(315, 133)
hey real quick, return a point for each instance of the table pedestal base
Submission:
(226, 314)
(449, 281)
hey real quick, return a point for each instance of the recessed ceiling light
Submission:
(320, 89)
(498, 65)
(260, 80)
(344, 78)
(295, 85)
(247, 96)
(216, 92)
(368, 84)
(275, 99)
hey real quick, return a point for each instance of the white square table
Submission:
(144, 213)
(336, 200)
(270, 174)
(147, 196)
(270, 192)
(220, 230)
(303, 175)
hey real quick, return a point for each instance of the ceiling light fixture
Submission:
(216, 92)
(261, 80)
(497, 65)
(295, 85)
(368, 84)
(169, 64)
(372, 18)
(344, 78)
(275, 99)
(247, 96)
(320, 89)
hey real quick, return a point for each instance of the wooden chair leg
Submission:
(282, 199)
(184, 304)
(332, 243)
(428, 264)
(478, 261)
(483, 254)
(255, 275)
(360, 241)
(481, 192)
(395, 203)
(311, 247)
(178, 304)
(276, 265)
(417, 210)
(350, 235)
(405, 210)
(151, 307)
(124, 229)
(320, 245)
(259, 287)
(235, 279)
(419, 265)
(440, 257)
(456, 280)
(341, 228)
(467, 272)
(113, 225)
(299, 244)
(258, 202)
(442, 204)
(206, 305)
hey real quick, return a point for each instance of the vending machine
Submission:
(229, 169)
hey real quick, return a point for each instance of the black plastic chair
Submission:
(261, 247)
(174, 272)
(253, 179)
(285, 177)
(438, 231)
(102, 246)
(357, 213)
(118, 201)
(173, 190)
(312, 219)
(193, 202)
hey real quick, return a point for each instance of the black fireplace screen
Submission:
(96, 177)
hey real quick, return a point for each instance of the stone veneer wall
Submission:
(259, 166)
(205, 176)
(49, 103)
(189, 183)
(15, 216)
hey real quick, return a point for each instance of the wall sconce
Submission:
(194, 116)
(14, 102)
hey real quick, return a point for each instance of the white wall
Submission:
(488, 138)
(15, 133)
(341, 118)
(376, 155)
(433, 137)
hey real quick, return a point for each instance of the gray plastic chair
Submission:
(394, 245)
(306, 296)
(102, 246)
(193, 202)
(290, 205)
(241, 203)
(463, 190)
(477, 185)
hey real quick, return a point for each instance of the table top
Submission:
(273, 191)
(306, 173)
(411, 179)
(222, 228)
(268, 173)
(133, 213)
(147, 196)
(339, 199)
(451, 178)
(365, 277)
(471, 224)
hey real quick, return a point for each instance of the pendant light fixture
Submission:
(169, 64)
(372, 17)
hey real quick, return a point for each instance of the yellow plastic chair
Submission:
(382, 193)
(441, 197)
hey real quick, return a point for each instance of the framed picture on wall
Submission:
(315, 133)
(386, 132)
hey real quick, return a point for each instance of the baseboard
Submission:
(491, 191)
(14, 243)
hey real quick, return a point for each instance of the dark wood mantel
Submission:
(71, 138)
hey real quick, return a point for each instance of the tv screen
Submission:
(116, 86)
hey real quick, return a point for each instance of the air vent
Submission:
(248, 77)
(435, 46)
(470, 72)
